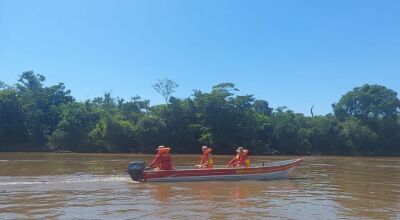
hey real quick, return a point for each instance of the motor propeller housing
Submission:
(135, 170)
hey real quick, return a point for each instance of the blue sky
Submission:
(290, 53)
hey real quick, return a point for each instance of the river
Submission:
(96, 186)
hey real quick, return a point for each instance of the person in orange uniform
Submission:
(162, 161)
(241, 159)
(206, 159)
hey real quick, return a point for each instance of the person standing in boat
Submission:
(241, 159)
(206, 159)
(162, 161)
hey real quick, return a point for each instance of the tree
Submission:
(368, 102)
(324, 134)
(77, 121)
(12, 122)
(165, 88)
(133, 109)
(356, 138)
(377, 109)
(151, 133)
(262, 107)
(41, 107)
(113, 134)
(30, 81)
(290, 132)
(4, 86)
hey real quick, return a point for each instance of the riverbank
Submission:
(196, 154)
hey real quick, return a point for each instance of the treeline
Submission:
(34, 117)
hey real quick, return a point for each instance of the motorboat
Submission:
(262, 171)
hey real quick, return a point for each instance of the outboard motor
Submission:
(135, 170)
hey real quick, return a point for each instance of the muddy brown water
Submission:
(96, 186)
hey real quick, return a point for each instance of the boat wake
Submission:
(61, 180)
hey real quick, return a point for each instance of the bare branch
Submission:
(165, 87)
(312, 113)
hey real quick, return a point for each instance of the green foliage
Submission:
(290, 132)
(77, 122)
(369, 102)
(356, 138)
(13, 133)
(35, 117)
(40, 107)
(324, 134)
(113, 135)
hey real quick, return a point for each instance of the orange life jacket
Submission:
(241, 159)
(162, 160)
(206, 160)
(234, 161)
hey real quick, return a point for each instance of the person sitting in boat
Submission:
(206, 159)
(162, 161)
(241, 159)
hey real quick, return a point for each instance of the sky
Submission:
(291, 53)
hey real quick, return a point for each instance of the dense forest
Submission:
(35, 117)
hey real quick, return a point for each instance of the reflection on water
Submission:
(65, 186)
